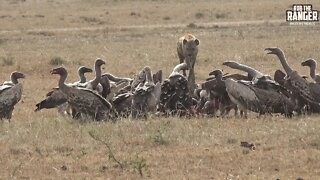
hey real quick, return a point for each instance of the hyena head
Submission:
(190, 49)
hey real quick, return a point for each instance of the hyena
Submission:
(187, 48)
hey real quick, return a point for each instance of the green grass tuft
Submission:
(7, 61)
(57, 60)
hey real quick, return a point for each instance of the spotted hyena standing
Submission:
(187, 48)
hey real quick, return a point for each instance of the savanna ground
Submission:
(37, 35)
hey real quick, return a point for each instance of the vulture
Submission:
(85, 101)
(116, 79)
(225, 104)
(138, 80)
(55, 98)
(233, 76)
(10, 95)
(118, 85)
(261, 95)
(207, 103)
(312, 65)
(120, 88)
(106, 86)
(94, 84)
(175, 97)
(81, 71)
(122, 96)
(211, 86)
(126, 90)
(279, 77)
(307, 94)
(145, 97)
(157, 77)
(115, 84)
(122, 104)
(253, 74)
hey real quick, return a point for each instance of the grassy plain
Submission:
(130, 35)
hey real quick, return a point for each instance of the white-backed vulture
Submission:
(308, 93)
(55, 97)
(262, 95)
(175, 97)
(95, 83)
(220, 92)
(312, 64)
(146, 97)
(10, 95)
(84, 101)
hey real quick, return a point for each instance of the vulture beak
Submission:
(308, 62)
(226, 63)
(304, 63)
(268, 50)
(88, 70)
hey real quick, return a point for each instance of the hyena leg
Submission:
(184, 72)
(181, 60)
(191, 81)
(191, 77)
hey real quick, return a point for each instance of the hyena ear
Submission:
(184, 41)
(197, 42)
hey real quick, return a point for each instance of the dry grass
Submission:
(195, 148)
(45, 145)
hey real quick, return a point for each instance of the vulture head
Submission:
(309, 62)
(99, 62)
(17, 75)
(216, 73)
(84, 69)
(148, 75)
(147, 70)
(59, 70)
(274, 50)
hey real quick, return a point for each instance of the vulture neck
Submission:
(111, 77)
(251, 71)
(180, 67)
(114, 78)
(14, 80)
(284, 63)
(82, 77)
(62, 79)
(97, 79)
(219, 77)
(313, 71)
(149, 79)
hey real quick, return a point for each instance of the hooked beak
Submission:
(304, 63)
(308, 62)
(268, 50)
(88, 70)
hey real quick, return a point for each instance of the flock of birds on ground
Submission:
(108, 97)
